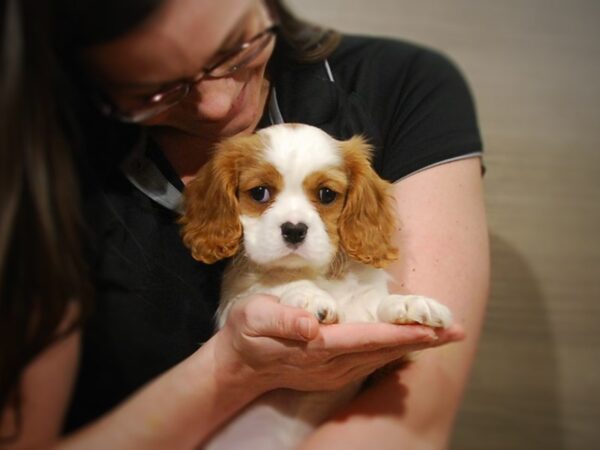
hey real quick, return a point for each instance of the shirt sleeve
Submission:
(423, 106)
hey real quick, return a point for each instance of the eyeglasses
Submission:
(159, 102)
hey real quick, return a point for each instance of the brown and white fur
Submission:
(306, 219)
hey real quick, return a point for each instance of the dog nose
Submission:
(294, 233)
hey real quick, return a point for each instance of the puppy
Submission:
(304, 218)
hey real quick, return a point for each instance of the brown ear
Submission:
(211, 226)
(368, 220)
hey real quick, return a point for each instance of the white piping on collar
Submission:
(439, 163)
(329, 72)
(274, 112)
(142, 172)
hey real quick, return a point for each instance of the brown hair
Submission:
(41, 263)
(306, 42)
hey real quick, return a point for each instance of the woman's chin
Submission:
(221, 130)
(208, 130)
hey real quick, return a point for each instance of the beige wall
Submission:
(534, 66)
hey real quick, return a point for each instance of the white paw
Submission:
(403, 309)
(312, 299)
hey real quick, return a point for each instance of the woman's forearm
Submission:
(413, 408)
(179, 410)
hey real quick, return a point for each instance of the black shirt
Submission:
(154, 304)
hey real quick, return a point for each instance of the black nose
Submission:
(294, 233)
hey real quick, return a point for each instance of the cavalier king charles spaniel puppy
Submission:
(305, 218)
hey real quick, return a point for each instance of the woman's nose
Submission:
(214, 98)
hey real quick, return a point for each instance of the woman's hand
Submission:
(279, 346)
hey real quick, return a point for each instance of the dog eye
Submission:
(261, 194)
(326, 195)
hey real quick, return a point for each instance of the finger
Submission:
(400, 354)
(361, 366)
(361, 337)
(266, 317)
(378, 358)
(454, 333)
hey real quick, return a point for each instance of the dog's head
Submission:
(290, 196)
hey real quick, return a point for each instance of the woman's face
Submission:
(176, 43)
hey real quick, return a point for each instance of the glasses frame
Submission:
(147, 111)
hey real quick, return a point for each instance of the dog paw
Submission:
(405, 309)
(312, 299)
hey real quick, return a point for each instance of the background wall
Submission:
(534, 67)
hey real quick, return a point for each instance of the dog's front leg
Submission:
(307, 295)
(405, 309)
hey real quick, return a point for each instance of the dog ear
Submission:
(368, 219)
(211, 228)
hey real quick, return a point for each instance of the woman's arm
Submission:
(46, 386)
(444, 254)
(263, 346)
(174, 411)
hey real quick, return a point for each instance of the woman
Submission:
(167, 79)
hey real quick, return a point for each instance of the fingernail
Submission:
(430, 336)
(305, 326)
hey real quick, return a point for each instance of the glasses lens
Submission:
(155, 105)
(243, 57)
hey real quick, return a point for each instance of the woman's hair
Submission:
(85, 23)
(42, 272)
(42, 268)
(306, 42)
